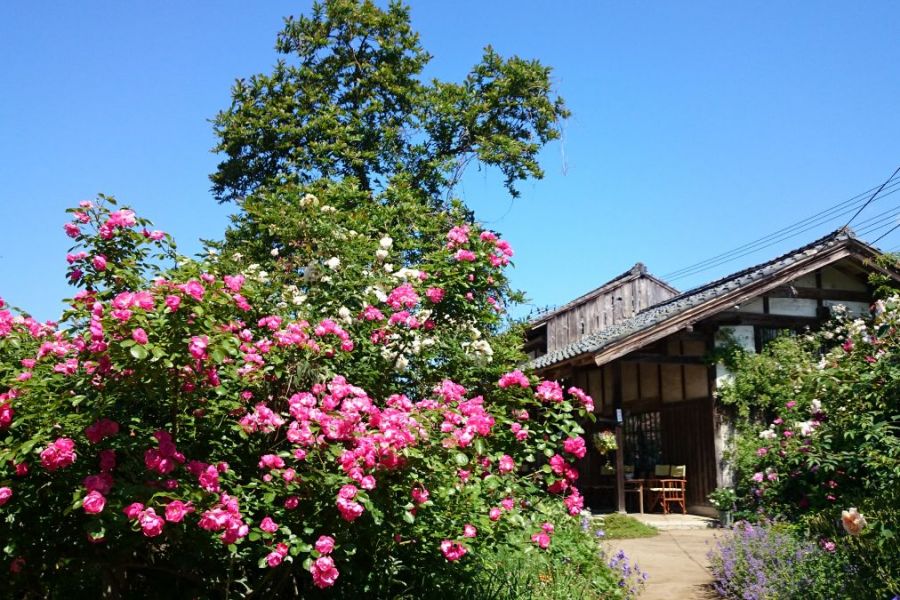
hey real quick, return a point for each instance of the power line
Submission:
(838, 210)
(888, 180)
(883, 235)
(752, 248)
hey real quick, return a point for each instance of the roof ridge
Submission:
(845, 230)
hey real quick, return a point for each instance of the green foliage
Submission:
(766, 561)
(832, 400)
(349, 102)
(723, 498)
(616, 526)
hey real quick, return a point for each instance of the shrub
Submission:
(189, 429)
(831, 447)
(765, 562)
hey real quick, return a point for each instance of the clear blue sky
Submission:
(696, 126)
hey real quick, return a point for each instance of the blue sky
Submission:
(696, 126)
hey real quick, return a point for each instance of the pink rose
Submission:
(420, 495)
(268, 525)
(139, 336)
(5, 494)
(541, 539)
(133, 510)
(151, 523)
(176, 510)
(575, 446)
(93, 503)
(325, 544)
(453, 550)
(469, 530)
(323, 572)
(99, 262)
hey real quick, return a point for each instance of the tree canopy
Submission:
(349, 101)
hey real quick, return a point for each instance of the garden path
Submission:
(675, 560)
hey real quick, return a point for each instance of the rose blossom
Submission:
(453, 550)
(5, 494)
(325, 544)
(176, 511)
(853, 521)
(93, 503)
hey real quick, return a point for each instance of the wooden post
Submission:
(620, 437)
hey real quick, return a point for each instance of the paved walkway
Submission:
(675, 560)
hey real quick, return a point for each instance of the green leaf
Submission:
(139, 352)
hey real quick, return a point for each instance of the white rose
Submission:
(386, 242)
(333, 263)
(381, 254)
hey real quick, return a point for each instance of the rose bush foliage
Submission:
(334, 426)
(827, 458)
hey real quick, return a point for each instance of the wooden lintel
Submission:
(787, 291)
(785, 321)
(663, 359)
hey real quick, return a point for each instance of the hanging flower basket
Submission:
(605, 441)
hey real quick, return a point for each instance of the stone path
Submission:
(675, 560)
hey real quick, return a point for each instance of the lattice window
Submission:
(643, 441)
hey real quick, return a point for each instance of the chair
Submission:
(670, 489)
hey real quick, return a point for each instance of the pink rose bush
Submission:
(207, 421)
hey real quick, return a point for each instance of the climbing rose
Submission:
(93, 503)
(268, 525)
(853, 521)
(549, 391)
(514, 378)
(151, 523)
(420, 495)
(324, 573)
(453, 550)
(325, 544)
(541, 539)
(176, 510)
(506, 464)
(575, 446)
(58, 455)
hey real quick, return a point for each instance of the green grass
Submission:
(622, 527)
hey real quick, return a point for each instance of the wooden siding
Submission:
(599, 312)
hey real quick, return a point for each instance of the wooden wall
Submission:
(597, 313)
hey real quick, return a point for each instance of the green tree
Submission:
(349, 101)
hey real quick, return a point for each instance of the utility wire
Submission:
(888, 180)
(750, 249)
(838, 210)
(883, 235)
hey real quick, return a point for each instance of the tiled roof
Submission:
(665, 310)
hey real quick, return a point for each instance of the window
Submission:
(643, 440)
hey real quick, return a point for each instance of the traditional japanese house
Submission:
(641, 350)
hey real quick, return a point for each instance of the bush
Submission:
(193, 429)
(828, 460)
(765, 562)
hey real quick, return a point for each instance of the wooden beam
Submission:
(788, 291)
(783, 321)
(620, 438)
(645, 358)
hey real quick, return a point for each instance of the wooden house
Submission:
(641, 349)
